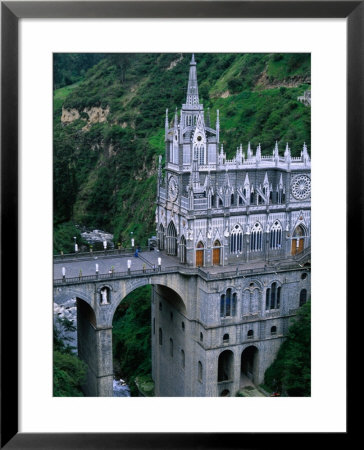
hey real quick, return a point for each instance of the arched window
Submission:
(201, 337)
(276, 235)
(161, 237)
(273, 297)
(256, 238)
(183, 249)
(225, 338)
(273, 330)
(303, 297)
(200, 371)
(250, 334)
(202, 154)
(171, 239)
(228, 304)
(232, 199)
(236, 240)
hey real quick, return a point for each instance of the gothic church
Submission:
(249, 216)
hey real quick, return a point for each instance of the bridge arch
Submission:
(63, 294)
(179, 300)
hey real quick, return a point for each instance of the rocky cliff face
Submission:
(92, 115)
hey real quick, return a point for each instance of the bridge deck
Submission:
(149, 259)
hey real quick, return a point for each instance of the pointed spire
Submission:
(258, 155)
(166, 125)
(249, 152)
(304, 154)
(217, 126)
(175, 119)
(287, 154)
(276, 153)
(192, 88)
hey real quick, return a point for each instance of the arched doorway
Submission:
(199, 254)
(171, 239)
(216, 250)
(225, 370)
(298, 240)
(249, 359)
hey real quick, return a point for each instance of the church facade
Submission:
(252, 212)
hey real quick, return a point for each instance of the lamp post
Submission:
(159, 264)
(64, 273)
(76, 246)
(132, 239)
(105, 245)
(97, 270)
(129, 266)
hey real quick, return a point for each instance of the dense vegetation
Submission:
(105, 171)
(69, 371)
(105, 168)
(131, 337)
(290, 373)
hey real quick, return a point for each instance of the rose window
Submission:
(301, 187)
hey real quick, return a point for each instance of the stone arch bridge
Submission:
(196, 349)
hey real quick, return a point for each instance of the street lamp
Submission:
(64, 273)
(129, 266)
(160, 264)
(76, 246)
(97, 270)
(132, 239)
(105, 244)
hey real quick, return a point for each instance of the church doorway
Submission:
(249, 359)
(216, 253)
(171, 239)
(298, 240)
(199, 254)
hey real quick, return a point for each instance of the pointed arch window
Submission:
(256, 238)
(236, 240)
(161, 237)
(276, 236)
(183, 249)
(171, 239)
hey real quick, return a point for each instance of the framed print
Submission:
(37, 38)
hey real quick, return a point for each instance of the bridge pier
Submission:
(95, 349)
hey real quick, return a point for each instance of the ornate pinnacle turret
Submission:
(258, 155)
(276, 153)
(166, 124)
(287, 154)
(239, 154)
(176, 119)
(304, 154)
(249, 152)
(192, 88)
(217, 126)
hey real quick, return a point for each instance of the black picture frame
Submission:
(11, 12)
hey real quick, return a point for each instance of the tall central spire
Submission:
(192, 89)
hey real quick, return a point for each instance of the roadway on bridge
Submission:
(105, 263)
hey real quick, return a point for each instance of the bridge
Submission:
(185, 307)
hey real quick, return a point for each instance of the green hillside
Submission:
(107, 140)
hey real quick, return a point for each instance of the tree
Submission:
(69, 371)
(291, 371)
